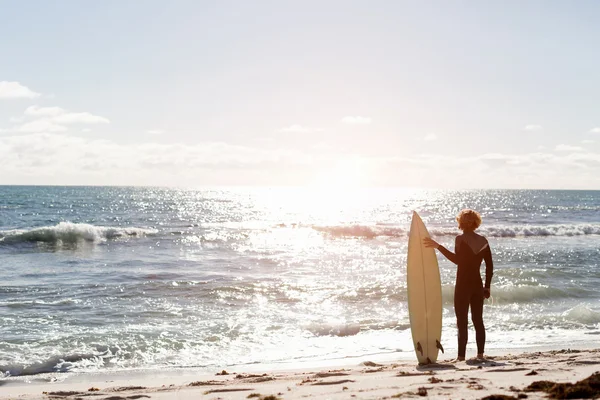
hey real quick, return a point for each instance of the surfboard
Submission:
(424, 294)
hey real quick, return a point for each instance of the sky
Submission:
(436, 94)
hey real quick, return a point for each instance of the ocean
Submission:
(140, 278)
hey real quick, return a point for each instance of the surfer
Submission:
(470, 250)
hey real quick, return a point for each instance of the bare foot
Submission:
(480, 356)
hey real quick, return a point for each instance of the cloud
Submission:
(155, 131)
(430, 137)
(86, 130)
(566, 147)
(537, 170)
(37, 111)
(52, 119)
(358, 120)
(61, 116)
(52, 158)
(57, 158)
(14, 90)
(533, 127)
(79, 118)
(588, 141)
(595, 130)
(41, 125)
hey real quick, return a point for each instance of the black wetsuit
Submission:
(469, 289)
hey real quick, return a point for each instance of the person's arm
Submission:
(489, 271)
(447, 253)
(489, 267)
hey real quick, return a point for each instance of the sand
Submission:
(501, 375)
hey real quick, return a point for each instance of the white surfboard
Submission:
(424, 294)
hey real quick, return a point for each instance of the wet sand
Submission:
(501, 376)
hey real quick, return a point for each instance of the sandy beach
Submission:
(498, 377)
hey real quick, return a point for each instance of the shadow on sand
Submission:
(485, 363)
(435, 366)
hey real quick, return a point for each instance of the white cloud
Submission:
(41, 125)
(533, 127)
(52, 119)
(79, 118)
(61, 116)
(155, 131)
(595, 130)
(357, 120)
(566, 147)
(54, 158)
(430, 137)
(14, 90)
(85, 130)
(493, 170)
(588, 141)
(37, 111)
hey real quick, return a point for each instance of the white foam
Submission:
(582, 314)
(68, 232)
(523, 230)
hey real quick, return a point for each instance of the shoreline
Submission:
(503, 372)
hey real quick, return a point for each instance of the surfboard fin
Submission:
(419, 348)
(439, 345)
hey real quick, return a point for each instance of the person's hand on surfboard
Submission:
(486, 293)
(429, 242)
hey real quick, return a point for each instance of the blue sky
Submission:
(446, 94)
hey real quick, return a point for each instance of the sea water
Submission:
(117, 278)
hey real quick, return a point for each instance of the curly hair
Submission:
(468, 220)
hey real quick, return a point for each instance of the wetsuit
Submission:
(469, 289)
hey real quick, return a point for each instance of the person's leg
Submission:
(477, 318)
(461, 309)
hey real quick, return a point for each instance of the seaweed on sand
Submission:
(588, 388)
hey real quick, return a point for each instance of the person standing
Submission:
(470, 291)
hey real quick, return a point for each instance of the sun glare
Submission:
(345, 174)
(335, 190)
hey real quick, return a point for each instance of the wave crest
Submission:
(582, 314)
(370, 232)
(62, 363)
(361, 231)
(68, 232)
(526, 294)
(340, 330)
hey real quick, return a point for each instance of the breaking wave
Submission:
(61, 363)
(68, 232)
(370, 232)
(340, 330)
(542, 230)
(582, 314)
(361, 231)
